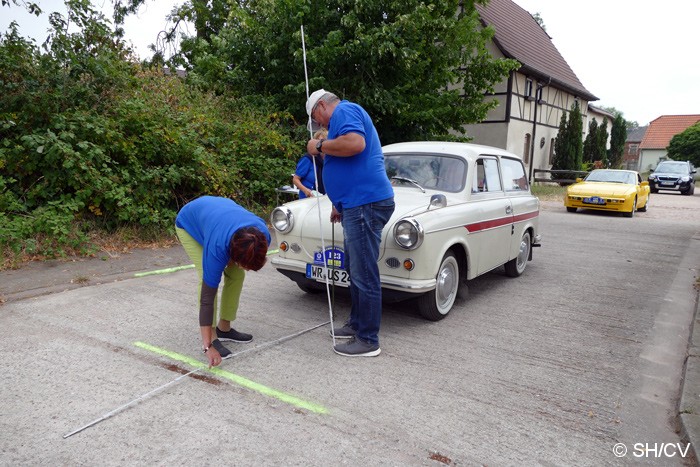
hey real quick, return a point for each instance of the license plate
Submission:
(667, 183)
(594, 200)
(339, 276)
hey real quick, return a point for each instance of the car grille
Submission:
(666, 178)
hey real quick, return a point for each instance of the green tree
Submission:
(590, 144)
(602, 142)
(92, 141)
(686, 145)
(618, 135)
(568, 145)
(419, 69)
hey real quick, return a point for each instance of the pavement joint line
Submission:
(180, 268)
(240, 380)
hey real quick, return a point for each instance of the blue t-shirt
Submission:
(212, 221)
(359, 179)
(305, 172)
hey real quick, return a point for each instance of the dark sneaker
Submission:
(223, 351)
(232, 336)
(357, 348)
(346, 332)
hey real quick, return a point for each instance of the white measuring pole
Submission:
(318, 198)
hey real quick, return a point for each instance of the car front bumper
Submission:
(411, 286)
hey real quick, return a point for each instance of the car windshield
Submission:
(672, 168)
(432, 171)
(611, 176)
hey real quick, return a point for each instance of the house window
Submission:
(633, 149)
(528, 87)
(526, 149)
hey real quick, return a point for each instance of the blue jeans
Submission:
(362, 229)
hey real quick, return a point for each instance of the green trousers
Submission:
(233, 278)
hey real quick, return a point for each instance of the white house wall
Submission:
(650, 158)
(508, 128)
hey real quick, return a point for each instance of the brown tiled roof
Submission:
(666, 127)
(519, 36)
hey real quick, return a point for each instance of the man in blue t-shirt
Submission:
(363, 201)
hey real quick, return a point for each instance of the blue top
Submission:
(212, 221)
(359, 179)
(305, 172)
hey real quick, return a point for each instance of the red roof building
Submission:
(658, 136)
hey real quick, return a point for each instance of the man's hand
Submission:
(311, 147)
(335, 215)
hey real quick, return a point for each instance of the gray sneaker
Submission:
(346, 332)
(233, 336)
(357, 348)
(223, 351)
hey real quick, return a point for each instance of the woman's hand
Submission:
(213, 356)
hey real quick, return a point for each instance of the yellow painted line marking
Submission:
(180, 268)
(240, 380)
(163, 271)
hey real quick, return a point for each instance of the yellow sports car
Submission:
(609, 190)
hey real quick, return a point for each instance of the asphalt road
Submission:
(584, 351)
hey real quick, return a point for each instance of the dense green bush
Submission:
(90, 139)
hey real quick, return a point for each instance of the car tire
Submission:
(654, 190)
(437, 303)
(634, 208)
(516, 266)
(568, 209)
(646, 205)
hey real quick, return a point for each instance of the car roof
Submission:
(447, 147)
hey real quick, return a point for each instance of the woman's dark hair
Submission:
(248, 248)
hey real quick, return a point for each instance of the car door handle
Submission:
(509, 209)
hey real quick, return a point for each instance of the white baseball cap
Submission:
(313, 100)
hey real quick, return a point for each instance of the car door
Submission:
(525, 207)
(490, 234)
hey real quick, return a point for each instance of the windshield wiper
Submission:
(413, 182)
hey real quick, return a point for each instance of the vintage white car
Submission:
(462, 210)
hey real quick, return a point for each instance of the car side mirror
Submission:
(438, 201)
(579, 180)
(694, 171)
(644, 183)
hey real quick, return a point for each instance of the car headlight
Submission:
(282, 219)
(408, 234)
(685, 179)
(652, 177)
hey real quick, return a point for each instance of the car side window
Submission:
(514, 178)
(486, 178)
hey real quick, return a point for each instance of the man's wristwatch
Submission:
(319, 145)
(206, 348)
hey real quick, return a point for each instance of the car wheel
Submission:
(688, 192)
(516, 266)
(654, 190)
(568, 209)
(437, 303)
(646, 205)
(634, 208)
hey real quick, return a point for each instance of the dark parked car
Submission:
(673, 175)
